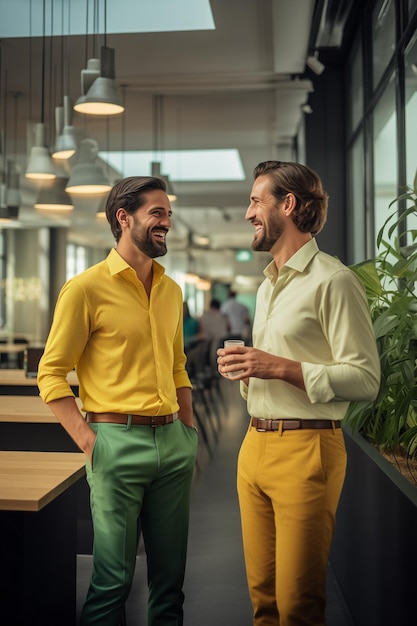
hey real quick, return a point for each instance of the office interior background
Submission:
(209, 89)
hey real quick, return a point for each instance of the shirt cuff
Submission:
(243, 390)
(317, 383)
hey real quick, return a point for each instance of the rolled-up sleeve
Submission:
(354, 374)
(66, 342)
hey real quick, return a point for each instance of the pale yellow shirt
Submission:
(127, 349)
(314, 311)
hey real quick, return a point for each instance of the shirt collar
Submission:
(297, 262)
(117, 265)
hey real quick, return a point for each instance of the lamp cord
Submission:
(105, 23)
(5, 126)
(86, 34)
(43, 65)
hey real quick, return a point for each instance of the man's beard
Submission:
(264, 242)
(150, 247)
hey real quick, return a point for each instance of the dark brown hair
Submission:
(129, 194)
(310, 213)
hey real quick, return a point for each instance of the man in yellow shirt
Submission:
(119, 324)
(314, 351)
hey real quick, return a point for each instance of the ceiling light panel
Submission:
(180, 165)
(123, 16)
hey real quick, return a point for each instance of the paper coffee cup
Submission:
(234, 342)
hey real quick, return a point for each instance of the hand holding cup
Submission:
(231, 343)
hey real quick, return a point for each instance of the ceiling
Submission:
(240, 86)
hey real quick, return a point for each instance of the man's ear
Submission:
(122, 216)
(290, 203)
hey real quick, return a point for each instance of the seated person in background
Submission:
(214, 326)
(238, 316)
(191, 327)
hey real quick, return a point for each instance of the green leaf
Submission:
(368, 274)
(390, 284)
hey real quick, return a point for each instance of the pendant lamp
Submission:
(9, 190)
(87, 176)
(13, 198)
(157, 122)
(53, 197)
(7, 212)
(156, 171)
(102, 97)
(66, 141)
(40, 165)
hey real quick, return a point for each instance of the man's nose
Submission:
(249, 212)
(165, 221)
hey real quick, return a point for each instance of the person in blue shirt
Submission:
(191, 327)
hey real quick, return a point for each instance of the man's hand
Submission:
(258, 364)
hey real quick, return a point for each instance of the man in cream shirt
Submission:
(314, 351)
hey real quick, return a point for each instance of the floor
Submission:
(215, 585)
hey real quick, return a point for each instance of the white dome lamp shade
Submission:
(7, 211)
(87, 176)
(13, 198)
(100, 93)
(66, 141)
(156, 171)
(53, 197)
(40, 165)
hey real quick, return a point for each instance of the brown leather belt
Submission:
(137, 420)
(264, 425)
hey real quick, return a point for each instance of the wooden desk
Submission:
(38, 537)
(27, 409)
(15, 382)
(15, 350)
(12, 348)
(28, 424)
(31, 480)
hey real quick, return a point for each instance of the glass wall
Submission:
(2, 280)
(356, 202)
(355, 88)
(383, 41)
(410, 70)
(77, 260)
(381, 123)
(385, 155)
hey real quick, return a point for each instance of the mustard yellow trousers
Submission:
(289, 485)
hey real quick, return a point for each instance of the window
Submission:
(77, 260)
(355, 89)
(410, 61)
(2, 279)
(383, 44)
(385, 155)
(412, 6)
(356, 203)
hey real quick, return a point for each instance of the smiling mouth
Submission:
(160, 235)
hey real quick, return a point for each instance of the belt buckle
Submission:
(153, 424)
(258, 428)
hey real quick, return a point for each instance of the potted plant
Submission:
(390, 421)
(375, 544)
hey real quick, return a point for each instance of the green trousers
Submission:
(139, 473)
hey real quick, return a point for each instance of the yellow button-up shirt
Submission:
(127, 349)
(314, 311)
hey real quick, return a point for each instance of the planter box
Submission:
(374, 552)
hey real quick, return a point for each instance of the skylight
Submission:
(180, 165)
(123, 16)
